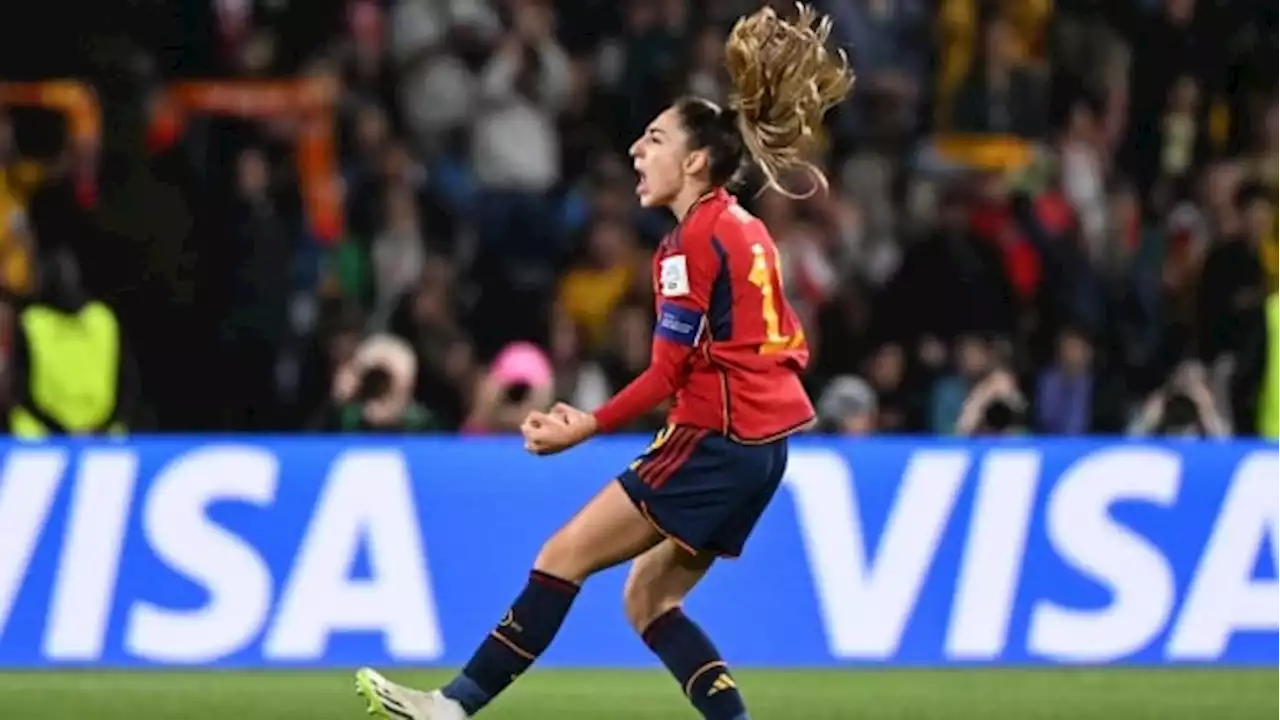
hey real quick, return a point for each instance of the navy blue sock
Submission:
(524, 633)
(694, 661)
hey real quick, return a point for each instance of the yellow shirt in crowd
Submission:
(959, 40)
(589, 295)
(17, 184)
(1263, 169)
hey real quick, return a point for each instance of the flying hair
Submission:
(784, 81)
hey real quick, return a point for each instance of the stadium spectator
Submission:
(896, 409)
(429, 44)
(426, 316)
(591, 291)
(973, 363)
(1231, 279)
(889, 40)
(373, 391)
(1268, 417)
(995, 406)
(18, 181)
(73, 370)
(366, 65)
(515, 147)
(519, 381)
(847, 407)
(364, 168)
(1083, 181)
(1182, 407)
(254, 327)
(579, 378)
(338, 334)
(1065, 392)
(1000, 93)
(399, 252)
(952, 263)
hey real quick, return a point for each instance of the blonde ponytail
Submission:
(784, 81)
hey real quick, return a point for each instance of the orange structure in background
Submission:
(75, 100)
(308, 101)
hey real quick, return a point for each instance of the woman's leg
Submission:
(609, 530)
(659, 581)
(656, 588)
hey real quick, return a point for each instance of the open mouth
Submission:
(641, 185)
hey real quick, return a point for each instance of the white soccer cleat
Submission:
(389, 701)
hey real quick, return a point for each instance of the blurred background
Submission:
(1046, 216)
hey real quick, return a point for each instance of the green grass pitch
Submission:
(1111, 694)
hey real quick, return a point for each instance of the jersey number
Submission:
(764, 275)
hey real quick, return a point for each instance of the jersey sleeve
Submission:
(685, 280)
(686, 277)
(684, 285)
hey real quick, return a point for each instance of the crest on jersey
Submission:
(673, 276)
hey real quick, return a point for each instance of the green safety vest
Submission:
(74, 370)
(1268, 405)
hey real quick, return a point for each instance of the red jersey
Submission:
(726, 344)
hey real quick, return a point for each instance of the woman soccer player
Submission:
(726, 345)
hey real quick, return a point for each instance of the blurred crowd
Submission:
(1045, 216)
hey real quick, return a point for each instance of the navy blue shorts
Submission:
(702, 490)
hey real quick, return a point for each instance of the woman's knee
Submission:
(644, 601)
(564, 557)
(658, 583)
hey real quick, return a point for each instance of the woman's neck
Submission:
(686, 199)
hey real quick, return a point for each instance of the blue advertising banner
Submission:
(265, 552)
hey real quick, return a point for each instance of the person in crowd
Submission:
(847, 406)
(519, 381)
(1182, 407)
(373, 391)
(972, 363)
(995, 406)
(1064, 399)
(591, 291)
(73, 370)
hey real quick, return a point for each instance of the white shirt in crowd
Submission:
(515, 144)
(437, 89)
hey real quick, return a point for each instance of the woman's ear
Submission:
(696, 162)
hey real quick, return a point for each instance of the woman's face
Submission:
(659, 157)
